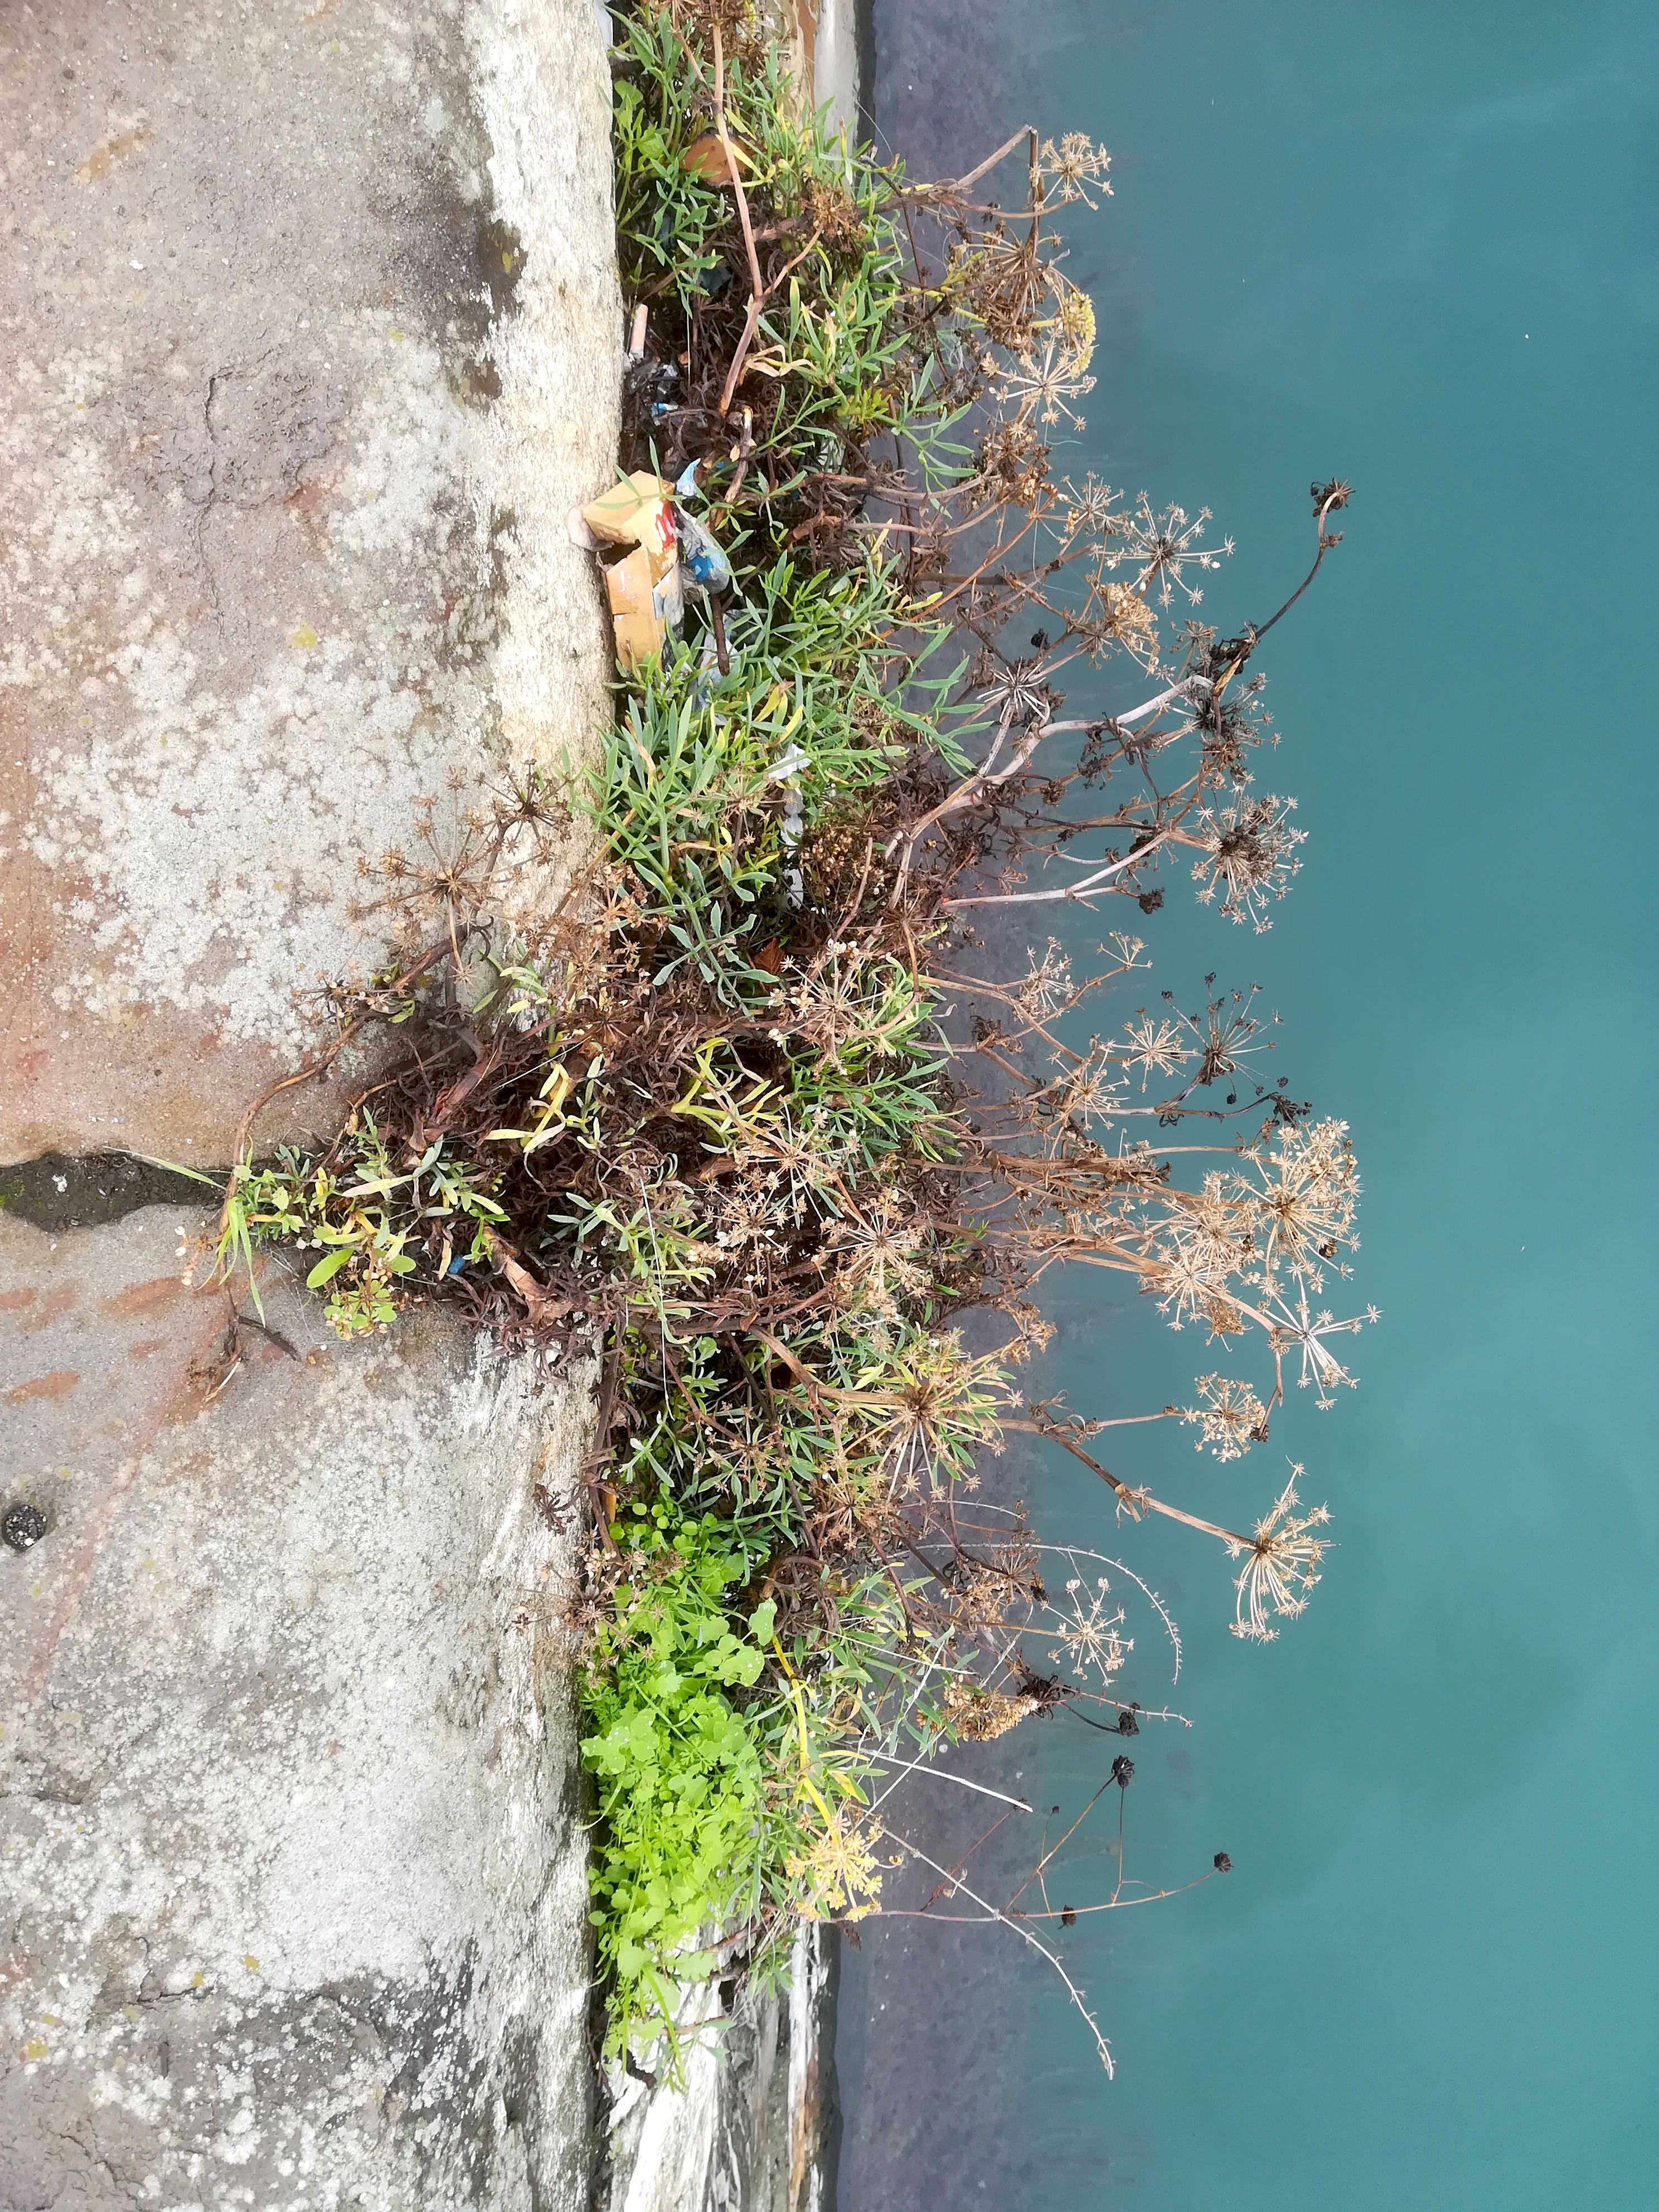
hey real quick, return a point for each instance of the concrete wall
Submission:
(310, 332)
(309, 339)
(292, 1887)
(750, 2131)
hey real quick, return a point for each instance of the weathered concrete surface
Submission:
(309, 339)
(829, 61)
(291, 1888)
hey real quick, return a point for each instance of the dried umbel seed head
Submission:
(1222, 1863)
(734, 19)
(980, 1716)
(22, 1526)
(1073, 170)
(1123, 1770)
(837, 215)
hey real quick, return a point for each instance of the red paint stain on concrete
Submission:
(144, 1297)
(54, 1303)
(102, 159)
(44, 1386)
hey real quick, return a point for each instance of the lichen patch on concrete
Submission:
(211, 838)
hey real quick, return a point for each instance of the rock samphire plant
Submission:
(751, 1113)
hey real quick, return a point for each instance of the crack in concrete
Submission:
(63, 1190)
(204, 509)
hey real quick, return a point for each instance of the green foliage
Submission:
(678, 1776)
(683, 799)
(853, 648)
(877, 1093)
(690, 787)
(836, 338)
(366, 1218)
(727, 1797)
(666, 217)
(695, 1116)
(833, 345)
(717, 1774)
(884, 1406)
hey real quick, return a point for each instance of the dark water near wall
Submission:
(1416, 245)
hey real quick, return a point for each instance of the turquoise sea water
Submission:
(1417, 246)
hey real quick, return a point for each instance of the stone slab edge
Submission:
(291, 1878)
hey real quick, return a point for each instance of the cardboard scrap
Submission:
(647, 597)
(646, 602)
(635, 512)
(671, 551)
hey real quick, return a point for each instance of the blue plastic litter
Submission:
(706, 569)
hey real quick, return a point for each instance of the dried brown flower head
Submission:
(980, 1716)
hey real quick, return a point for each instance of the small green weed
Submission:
(682, 1847)
(361, 1214)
